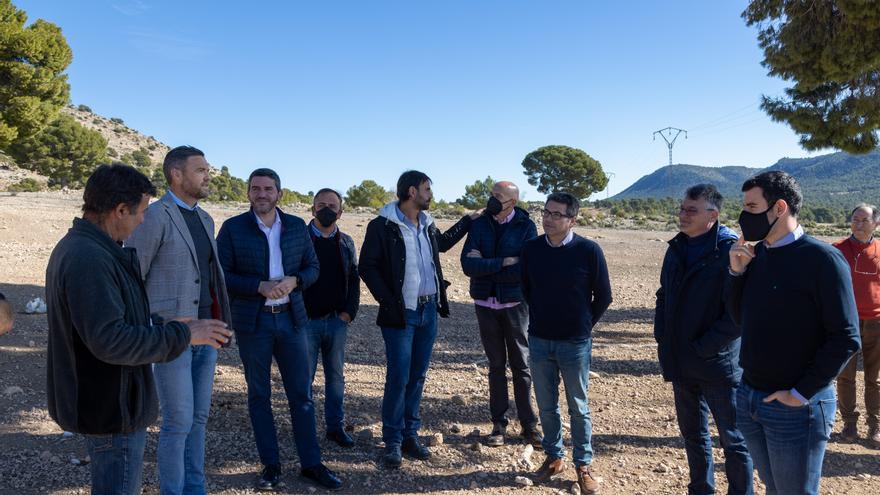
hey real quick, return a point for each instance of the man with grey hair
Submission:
(861, 251)
(491, 259)
(698, 343)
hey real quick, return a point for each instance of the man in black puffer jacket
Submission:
(698, 343)
(491, 259)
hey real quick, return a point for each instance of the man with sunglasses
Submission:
(565, 283)
(861, 251)
(698, 343)
(491, 259)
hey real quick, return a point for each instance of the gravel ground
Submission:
(637, 445)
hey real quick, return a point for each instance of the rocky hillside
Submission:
(121, 139)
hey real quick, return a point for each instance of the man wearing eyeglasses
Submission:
(491, 259)
(698, 343)
(861, 251)
(565, 283)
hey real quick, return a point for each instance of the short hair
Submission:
(265, 172)
(776, 185)
(875, 213)
(572, 205)
(111, 185)
(708, 192)
(327, 190)
(176, 158)
(410, 178)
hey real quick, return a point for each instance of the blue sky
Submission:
(331, 93)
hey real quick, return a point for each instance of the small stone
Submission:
(12, 390)
(31, 343)
(365, 436)
(661, 468)
(458, 400)
(477, 447)
(455, 428)
(312, 489)
(523, 481)
(435, 440)
(45, 455)
(595, 375)
(476, 432)
(474, 485)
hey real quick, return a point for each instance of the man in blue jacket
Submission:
(269, 259)
(491, 259)
(698, 343)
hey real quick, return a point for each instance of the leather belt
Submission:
(426, 299)
(277, 308)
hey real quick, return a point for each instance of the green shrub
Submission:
(25, 185)
(84, 108)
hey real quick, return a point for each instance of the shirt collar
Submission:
(860, 243)
(565, 241)
(792, 236)
(179, 202)
(508, 218)
(403, 218)
(263, 225)
(318, 232)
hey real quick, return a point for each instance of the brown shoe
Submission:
(850, 432)
(551, 468)
(874, 437)
(586, 482)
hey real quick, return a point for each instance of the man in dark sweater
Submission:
(102, 342)
(698, 343)
(793, 297)
(565, 283)
(331, 304)
(178, 258)
(491, 259)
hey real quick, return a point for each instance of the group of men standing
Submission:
(140, 297)
(758, 333)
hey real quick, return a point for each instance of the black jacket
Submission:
(488, 277)
(101, 341)
(696, 338)
(348, 256)
(383, 262)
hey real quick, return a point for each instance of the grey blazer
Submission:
(168, 262)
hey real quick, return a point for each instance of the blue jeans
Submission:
(693, 402)
(548, 359)
(787, 443)
(184, 387)
(117, 462)
(327, 338)
(275, 335)
(408, 354)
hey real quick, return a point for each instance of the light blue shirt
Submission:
(276, 267)
(428, 277)
(179, 202)
(318, 233)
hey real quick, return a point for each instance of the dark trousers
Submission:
(693, 402)
(275, 335)
(505, 340)
(846, 382)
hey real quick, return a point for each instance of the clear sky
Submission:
(331, 93)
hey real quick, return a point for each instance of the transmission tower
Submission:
(668, 133)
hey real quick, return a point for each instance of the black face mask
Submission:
(755, 226)
(493, 206)
(325, 217)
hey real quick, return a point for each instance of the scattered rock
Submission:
(661, 468)
(477, 447)
(523, 481)
(458, 400)
(474, 485)
(12, 389)
(455, 428)
(365, 436)
(476, 432)
(435, 440)
(525, 458)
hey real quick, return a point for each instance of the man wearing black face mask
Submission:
(491, 258)
(793, 297)
(331, 304)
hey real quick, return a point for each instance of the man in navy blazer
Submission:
(268, 259)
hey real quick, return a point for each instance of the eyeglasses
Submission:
(871, 261)
(690, 212)
(555, 215)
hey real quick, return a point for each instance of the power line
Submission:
(668, 134)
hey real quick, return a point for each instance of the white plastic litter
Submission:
(37, 305)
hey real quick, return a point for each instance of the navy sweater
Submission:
(798, 315)
(567, 287)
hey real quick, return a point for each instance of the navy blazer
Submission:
(243, 250)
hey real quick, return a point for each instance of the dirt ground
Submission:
(635, 436)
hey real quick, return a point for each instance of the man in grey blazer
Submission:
(182, 274)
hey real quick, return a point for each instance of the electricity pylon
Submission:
(665, 137)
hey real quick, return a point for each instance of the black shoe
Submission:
(392, 457)
(496, 438)
(341, 438)
(270, 479)
(533, 436)
(412, 448)
(321, 476)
